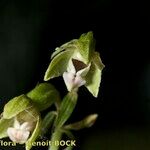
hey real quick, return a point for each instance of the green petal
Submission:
(43, 95)
(15, 106)
(4, 124)
(34, 135)
(58, 64)
(86, 46)
(93, 79)
(66, 108)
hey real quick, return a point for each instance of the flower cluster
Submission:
(79, 65)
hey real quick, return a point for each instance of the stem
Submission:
(56, 137)
(58, 103)
(64, 112)
(48, 122)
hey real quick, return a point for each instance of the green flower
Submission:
(78, 63)
(20, 121)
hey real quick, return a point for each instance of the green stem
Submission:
(69, 148)
(56, 137)
(48, 122)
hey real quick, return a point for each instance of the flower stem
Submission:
(55, 139)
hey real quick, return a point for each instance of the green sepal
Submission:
(43, 95)
(34, 135)
(28, 115)
(97, 60)
(86, 45)
(58, 65)
(71, 45)
(47, 122)
(15, 106)
(66, 108)
(4, 124)
(93, 79)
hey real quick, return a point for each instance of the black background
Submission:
(29, 32)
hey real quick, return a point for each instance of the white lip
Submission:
(75, 79)
(18, 136)
(20, 132)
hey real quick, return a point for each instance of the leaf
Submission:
(66, 108)
(58, 65)
(43, 95)
(4, 124)
(34, 135)
(15, 106)
(86, 45)
(93, 79)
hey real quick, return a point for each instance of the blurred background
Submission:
(29, 32)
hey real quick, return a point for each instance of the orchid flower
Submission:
(20, 121)
(78, 63)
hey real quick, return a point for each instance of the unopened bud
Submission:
(85, 123)
(90, 120)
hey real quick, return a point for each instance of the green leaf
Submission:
(43, 95)
(66, 108)
(4, 124)
(93, 79)
(15, 106)
(34, 135)
(47, 122)
(86, 45)
(58, 64)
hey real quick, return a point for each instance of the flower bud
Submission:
(85, 123)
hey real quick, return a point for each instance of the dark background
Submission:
(29, 32)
